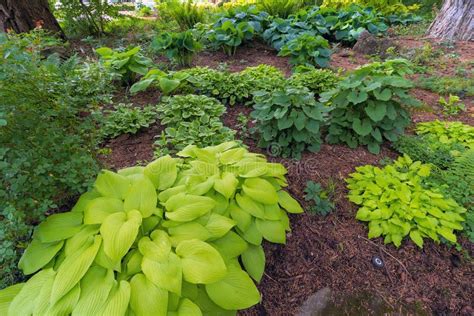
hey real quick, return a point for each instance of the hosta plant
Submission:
(307, 49)
(316, 80)
(288, 120)
(181, 236)
(126, 119)
(127, 64)
(262, 77)
(448, 132)
(178, 47)
(370, 105)
(230, 35)
(165, 82)
(396, 203)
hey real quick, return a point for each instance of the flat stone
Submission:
(316, 303)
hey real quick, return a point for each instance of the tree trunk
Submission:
(455, 21)
(25, 15)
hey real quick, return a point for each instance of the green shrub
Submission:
(280, 8)
(451, 105)
(316, 80)
(280, 31)
(262, 77)
(319, 198)
(289, 119)
(307, 49)
(396, 203)
(229, 35)
(250, 14)
(127, 64)
(178, 47)
(165, 238)
(191, 120)
(165, 82)
(448, 132)
(370, 105)
(126, 119)
(186, 13)
(47, 137)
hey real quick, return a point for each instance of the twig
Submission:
(385, 251)
(270, 277)
(385, 266)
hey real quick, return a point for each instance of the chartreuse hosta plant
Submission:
(448, 132)
(396, 203)
(370, 105)
(165, 82)
(181, 236)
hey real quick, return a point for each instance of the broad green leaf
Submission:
(166, 194)
(447, 233)
(273, 231)
(252, 234)
(383, 95)
(157, 248)
(250, 206)
(130, 171)
(219, 225)
(37, 255)
(288, 203)
(251, 169)
(104, 261)
(95, 288)
(424, 171)
(162, 172)
(254, 261)
(230, 246)
(226, 185)
(83, 200)
(166, 274)
(146, 299)
(141, 196)
(235, 291)
(188, 308)
(7, 295)
(232, 156)
(272, 212)
(133, 262)
(82, 238)
(185, 207)
(376, 111)
(118, 300)
(416, 237)
(119, 231)
(73, 268)
(168, 85)
(59, 226)
(207, 306)
(111, 184)
(98, 209)
(42, 304)
(66, 304)
(187, 231)
(241, 217)
(363, 128)
(200, 261)
(260, 190)
(357, 97)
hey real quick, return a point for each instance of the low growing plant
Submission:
(307, 49)
(178, 47)
(370, 105)
(280, 8)
(126, 119)
(451, 106)
(316, 80)
(165, 82)
(165, 238)
(396, 203)
(229, 35)
(319, 198)
(289, 119)
(448, 132)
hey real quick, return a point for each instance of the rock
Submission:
(369, 44)
(316, 303)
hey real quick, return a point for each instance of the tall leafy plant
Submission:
(229, 35)
(307, 49)
(178, 47)
(160, 239)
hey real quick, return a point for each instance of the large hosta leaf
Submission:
(119, 231)
(72, 269)
(98, 209)
(111, 184)
(273, 231)
(250, 206)
(187, 231)
(184, 207)
(146, 299)
(219, 225)
(59, 226)
(260, 190)
(37, 255)
(95, 288)
(235, 291)
(162, 172)
(230, 246)
(7, 295)
(226, 185)
(66, 304)
(166, 274)
(242, 218)
(288, 203)
(188, 308)
(201, 262)
(157, 248)
(118, 300)
(81, 239)
(254, 262)
(141, 196)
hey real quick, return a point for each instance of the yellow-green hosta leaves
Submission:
(226, 184)
(185, 207)
(119, 231)
(141, 196)
(250, 206)
(201, 262)
(146, 299)
(59, 227)
(118, 300)
(7, 295)
(254, 261)
(397, 203)
(157, 247)
(219, 225)
(111, 184)
(235, 291)
(288, 203)
(38, 254)
(162, 172)
(188, 308)
(97, 210)
(166, 274)
(260, 190)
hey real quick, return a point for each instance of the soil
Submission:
(333, 251)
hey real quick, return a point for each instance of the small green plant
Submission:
(242, 125)
(145, 11)
(462, 85)
(178, 47)
(179, 236)
(288, 119)
(448, 132)
(307, 49)
(280, 8)
(191, 120)
(185, 13)
(451, 106)
(127, 64)
(126, 119)
(165, 82)
(319, 198)
(370, 105)
(396, 203)
(316, 80)
(262, 77)
(229, 36)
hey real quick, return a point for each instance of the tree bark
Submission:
(25, 15)
(455, 21)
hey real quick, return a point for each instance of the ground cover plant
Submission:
(162, 238)
(126, 119)
(448, 132)
(178, 47)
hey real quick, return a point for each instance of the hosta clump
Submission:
(262, 78)
(307, 49)
(370, 105)
(316, 80)
(288, 120)
(178, 47)
(396, 203)
(159, 240)
(191, 119)
(448, 132)
(126, 118)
